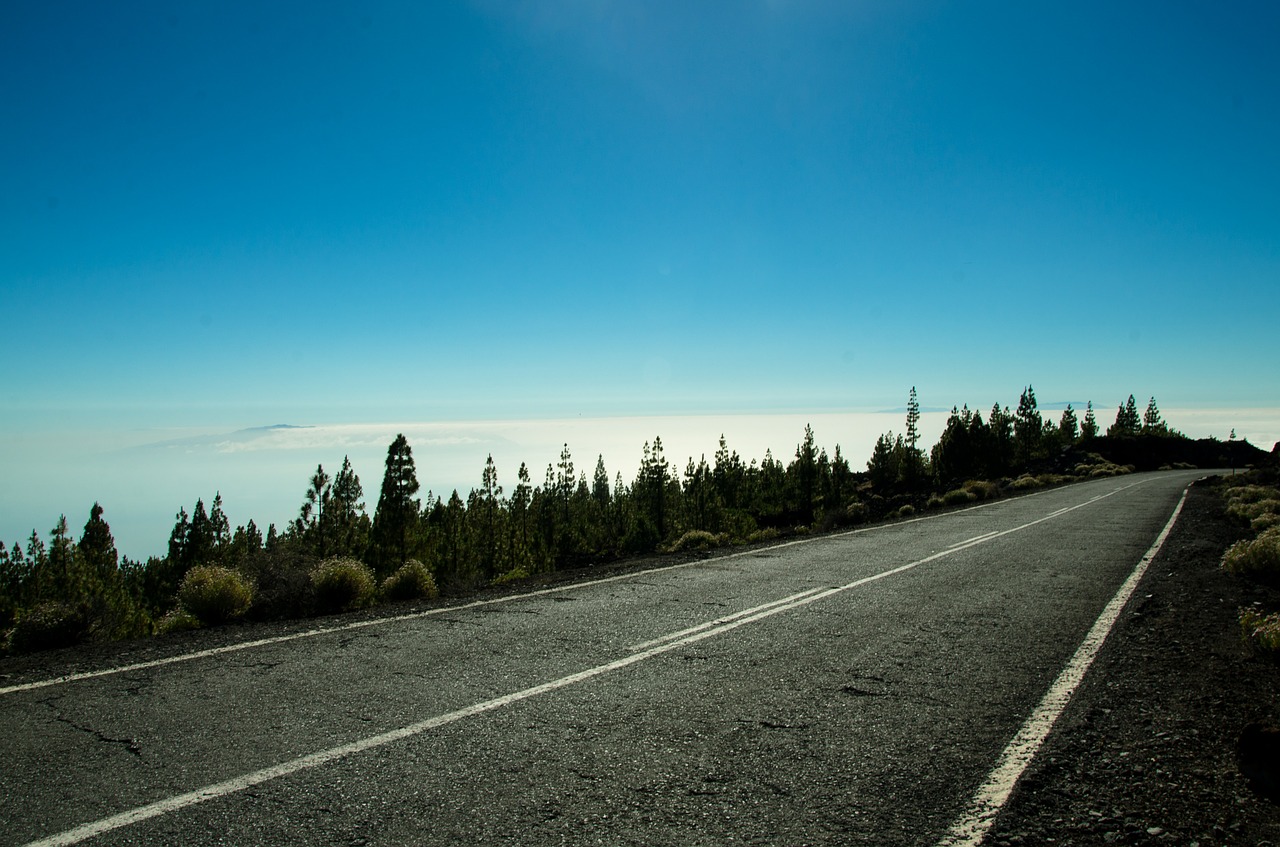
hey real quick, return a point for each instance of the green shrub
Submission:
(342, 585)
(959, 496)
(513, 575)
(695, 539)
(1262, 632)
(413, 581)
(215, 594)
(905, 512)
(48, 626)
(1257, 557)
(177, 620)
(766, 534)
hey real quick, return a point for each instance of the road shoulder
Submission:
(1146, 752)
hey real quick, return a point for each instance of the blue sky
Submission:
(216, 216)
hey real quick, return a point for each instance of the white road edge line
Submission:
(970, 829)
(317, 631)
(313, 760)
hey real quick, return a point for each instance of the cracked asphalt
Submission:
(693, 704)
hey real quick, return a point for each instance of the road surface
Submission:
(855, 688)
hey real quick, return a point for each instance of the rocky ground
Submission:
(1148, 752)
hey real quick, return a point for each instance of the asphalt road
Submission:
(856, 688)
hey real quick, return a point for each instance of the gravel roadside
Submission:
(1147, 751)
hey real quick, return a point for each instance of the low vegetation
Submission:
(413, 581)
(213, 594)
(342, 585)
(1261, 631)
(336, 556)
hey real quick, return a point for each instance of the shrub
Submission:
(1247, 511)
(1249, 493)
(177, 620)
(905, 512)
(413, 581)
(215, 594)
(513, 575)
(1026, 482)
(1258, 557)
(959, 496)
(48, 626)
(342, 585)
(856, 513)
(766, 534)
(1262, 523)
(695, 539)
(1262, 632)
(982, 489)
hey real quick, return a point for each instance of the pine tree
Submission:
(200, 539)
(98, 547)
(1028, 427)
(600, 484)
(1089, 428)
(913, 420)
(487, 515)
(1152, 423)
(954, 457)
(397, 510)
(803, 475)
(349, 525)
(1000, 443)
(885, 465)
(1127, 421)
(912, 467)
(518, 548)
(1068, 427)
(312, 521)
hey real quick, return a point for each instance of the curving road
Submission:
(857, 688)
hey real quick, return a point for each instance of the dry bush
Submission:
(412, 581)
(342, 585)
(697, 539)
(1259, 557)
(982, 489)
(513, 575)
(1262, 632)
(215, 594)
(48, 626)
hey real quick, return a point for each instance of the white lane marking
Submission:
(700, 627)
(973, 826)
(329, 630)
(982, 537)
(313, 760)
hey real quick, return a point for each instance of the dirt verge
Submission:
(1147, 752)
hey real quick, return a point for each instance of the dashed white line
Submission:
(982, 537)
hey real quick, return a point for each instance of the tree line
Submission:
(81, 588)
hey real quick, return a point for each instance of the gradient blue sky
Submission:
(225, 215)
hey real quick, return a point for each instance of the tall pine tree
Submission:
(397, 511)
